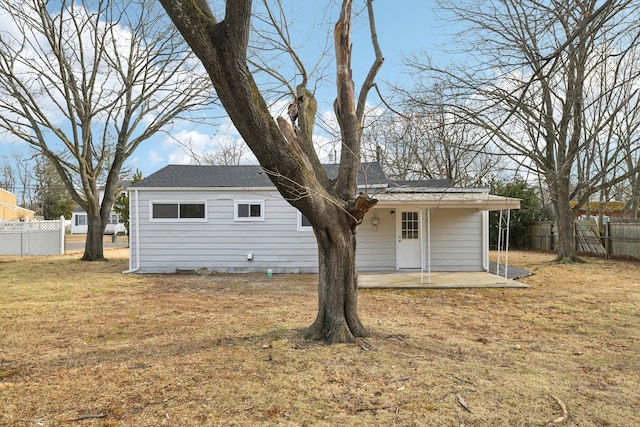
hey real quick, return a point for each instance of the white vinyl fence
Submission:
(32, 238)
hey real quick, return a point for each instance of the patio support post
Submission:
(503, 242)
(422, 243)
(421, 221)
(429, 242)
(506, 254)
(499, 247)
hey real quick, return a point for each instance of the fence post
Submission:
(62, 234)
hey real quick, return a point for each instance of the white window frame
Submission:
(238, 218)
(303, 227)
(80, 219)
(178, 202)
(115, 219)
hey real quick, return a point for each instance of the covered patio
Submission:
(439, 280)
(442, 238)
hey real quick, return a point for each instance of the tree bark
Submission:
(286, 153)
(566, 222)
(93, 246)
(337, 320)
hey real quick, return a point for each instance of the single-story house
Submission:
(79, 220)
(232, 219)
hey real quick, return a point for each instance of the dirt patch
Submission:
(81, 343)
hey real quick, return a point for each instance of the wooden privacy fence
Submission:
(32, 238)
(543, 236)
(623, 238)
(616, 239)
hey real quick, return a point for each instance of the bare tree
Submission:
(52, 198)
(613, 158)
(540, 89)
(627, 132)
(18, 177)
(285, 148)
(24, 168)
(86, 83)
(7, 174)
(227, 153)
(426, 142)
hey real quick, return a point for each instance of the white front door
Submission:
(408, 239)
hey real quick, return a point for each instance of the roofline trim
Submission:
(270, 188)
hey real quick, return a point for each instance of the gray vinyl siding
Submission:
(376, 250)
(220, 243)
(456, 240)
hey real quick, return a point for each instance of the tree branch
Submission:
(375, 67)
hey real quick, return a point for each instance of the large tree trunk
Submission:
(93, 246)
(287, 154)
(565, 222)
(337, 319)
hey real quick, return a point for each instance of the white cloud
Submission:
(182, 147)
(189, 144)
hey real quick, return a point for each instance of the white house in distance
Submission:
(232, 219)
(79, 221)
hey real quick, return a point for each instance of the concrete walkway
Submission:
(439, 280)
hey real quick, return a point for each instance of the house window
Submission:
(81, 219)
(303, 223)
(410, 225)
(178, 211)
(249, 210)
(114, 219)
(192, 210)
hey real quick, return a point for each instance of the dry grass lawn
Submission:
(83, 345)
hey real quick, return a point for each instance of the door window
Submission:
(410, 225)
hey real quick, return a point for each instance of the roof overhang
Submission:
(392, 198)
(217, 189)
(447, 200)
(15, 208)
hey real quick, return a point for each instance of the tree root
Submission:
(569, 260)
(336, 335)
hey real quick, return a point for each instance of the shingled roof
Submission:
(239, 176)
(423, 183)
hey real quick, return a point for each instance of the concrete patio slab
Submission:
(439, 280)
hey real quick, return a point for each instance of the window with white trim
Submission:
(248, 210)
(303, 223)
(81, 219)
(178, 211)
(114, 219)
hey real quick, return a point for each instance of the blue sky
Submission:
(402, 31)
(404, 28)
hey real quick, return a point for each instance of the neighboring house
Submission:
(79, 220)
(611, 209)
(10, 211)
(232, 219)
